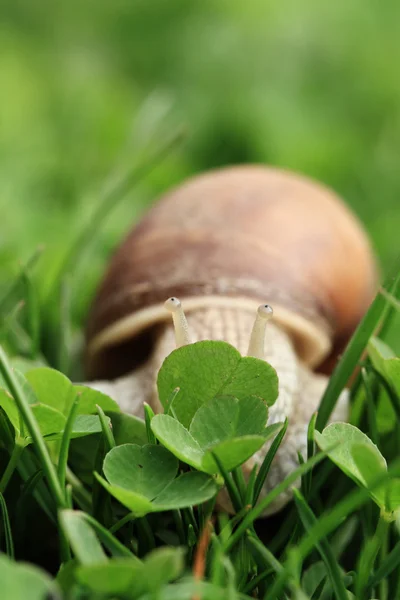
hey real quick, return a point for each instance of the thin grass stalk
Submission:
(257, 511)
(371, 410)
(387, 566)
(31, 262)
(309, 520)
(11, 465)
(106, 537)
(352, 353)
(65, 441)
(7, 528)
(233, 491)
(266, 464)
(33, 429)
(33, 314)
(329, 522)
(148, 415)
(106, 429)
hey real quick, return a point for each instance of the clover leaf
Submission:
(227, 427)
(359, 458)
(207, 369)
(143, 478)
(23, 580)
(50, 395)
(385, 362)
(132, 577)
(55, 389)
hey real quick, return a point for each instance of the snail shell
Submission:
(238, 236)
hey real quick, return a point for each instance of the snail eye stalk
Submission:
(256, 345)
(174, 306)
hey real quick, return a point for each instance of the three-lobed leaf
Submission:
(207, 369)
(128, 429)
(230, 428)
(144, 480)
(232, 453)
(226, 417)
(174, 436)
(147, 470)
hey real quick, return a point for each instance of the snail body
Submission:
(224, 242)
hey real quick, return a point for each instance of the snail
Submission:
(225, 242)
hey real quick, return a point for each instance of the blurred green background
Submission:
(85, 86)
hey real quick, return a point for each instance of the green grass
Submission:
(108, 535)
(102, 110)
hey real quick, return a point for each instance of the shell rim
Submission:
(313, 344)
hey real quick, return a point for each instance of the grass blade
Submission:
(249, 495)
(33, 313)
(233, 492)
(80, 493)
(391, 392)
(106, 537)
(129, 518)
(331, 520)
(255, 582)
(391, 295)
(27, 467)
(12, 465)
(33, 428)
(238, 478)
(81, 538)
(309, 519)
(391, 562)
(65, 441)
(290, 571)
(7, 528)
(266, 464)
(25, 269)
(371, 410)
(368, 556)
(257, 511)
(352, 354)
(106, 428)
(25, 497)
(262, 555)
(64, 326)
(148, 415)
(307, 479)
(8, 320)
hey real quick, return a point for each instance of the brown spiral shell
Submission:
(244, 234)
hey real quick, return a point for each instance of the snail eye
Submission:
(172, 304)
(265, 311)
